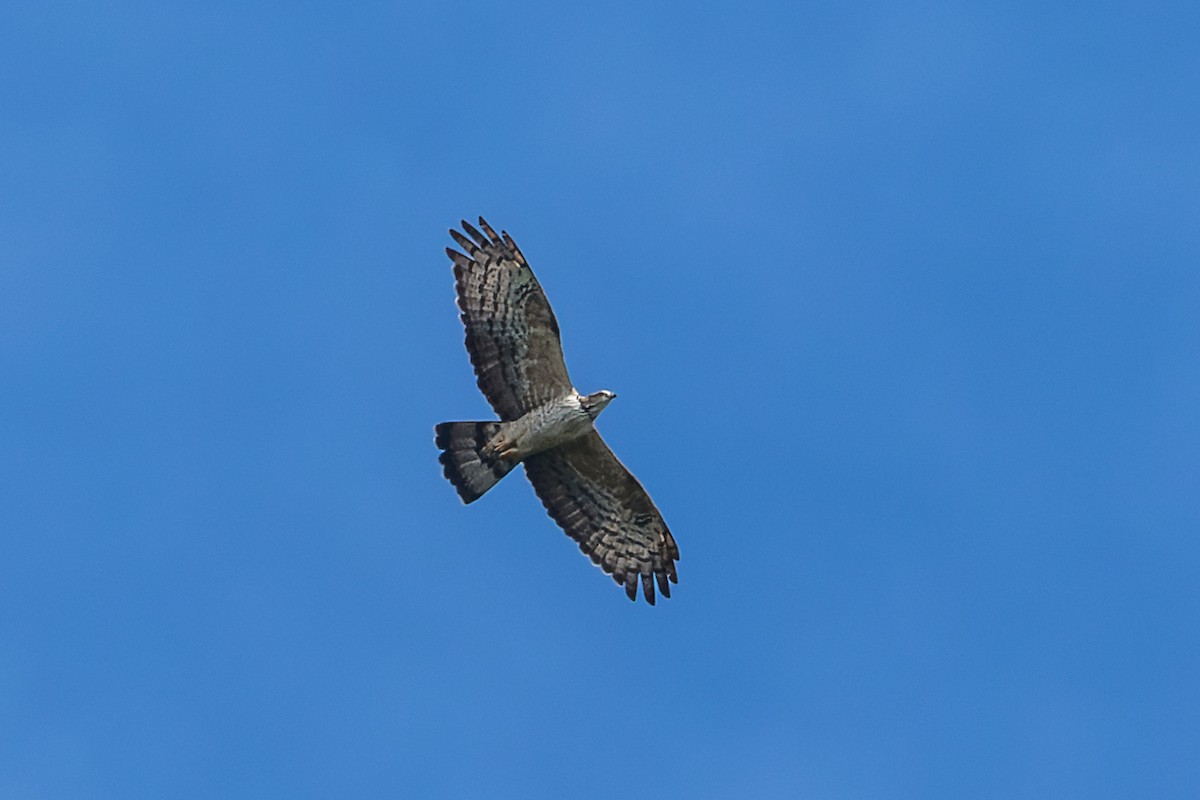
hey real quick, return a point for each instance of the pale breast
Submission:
(550, 425)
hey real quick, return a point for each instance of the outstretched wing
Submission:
(512, 335)
(599, 503)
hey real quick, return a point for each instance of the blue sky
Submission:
(901, 301)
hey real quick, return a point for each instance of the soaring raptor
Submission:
(513, 341)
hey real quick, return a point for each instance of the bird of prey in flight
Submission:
(545, 424)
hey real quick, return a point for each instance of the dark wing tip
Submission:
(488, 230)
(463, 242)
(648, 587)
(479, 238)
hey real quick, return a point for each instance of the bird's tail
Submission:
(471, 472)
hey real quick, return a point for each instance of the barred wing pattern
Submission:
(600, 505)
(512, 335)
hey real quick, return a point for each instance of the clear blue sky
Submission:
(902, 302)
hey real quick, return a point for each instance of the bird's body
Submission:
(543, 428)
(545, 424)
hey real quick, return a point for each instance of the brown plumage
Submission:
(513, 342)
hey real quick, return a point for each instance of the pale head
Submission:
(593, 404)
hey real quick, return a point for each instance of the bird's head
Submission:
(593, 404)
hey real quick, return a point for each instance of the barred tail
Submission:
(471, 472)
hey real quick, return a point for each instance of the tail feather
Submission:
(470, 471)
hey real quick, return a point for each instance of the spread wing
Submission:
(512, 335)
(599, 503)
